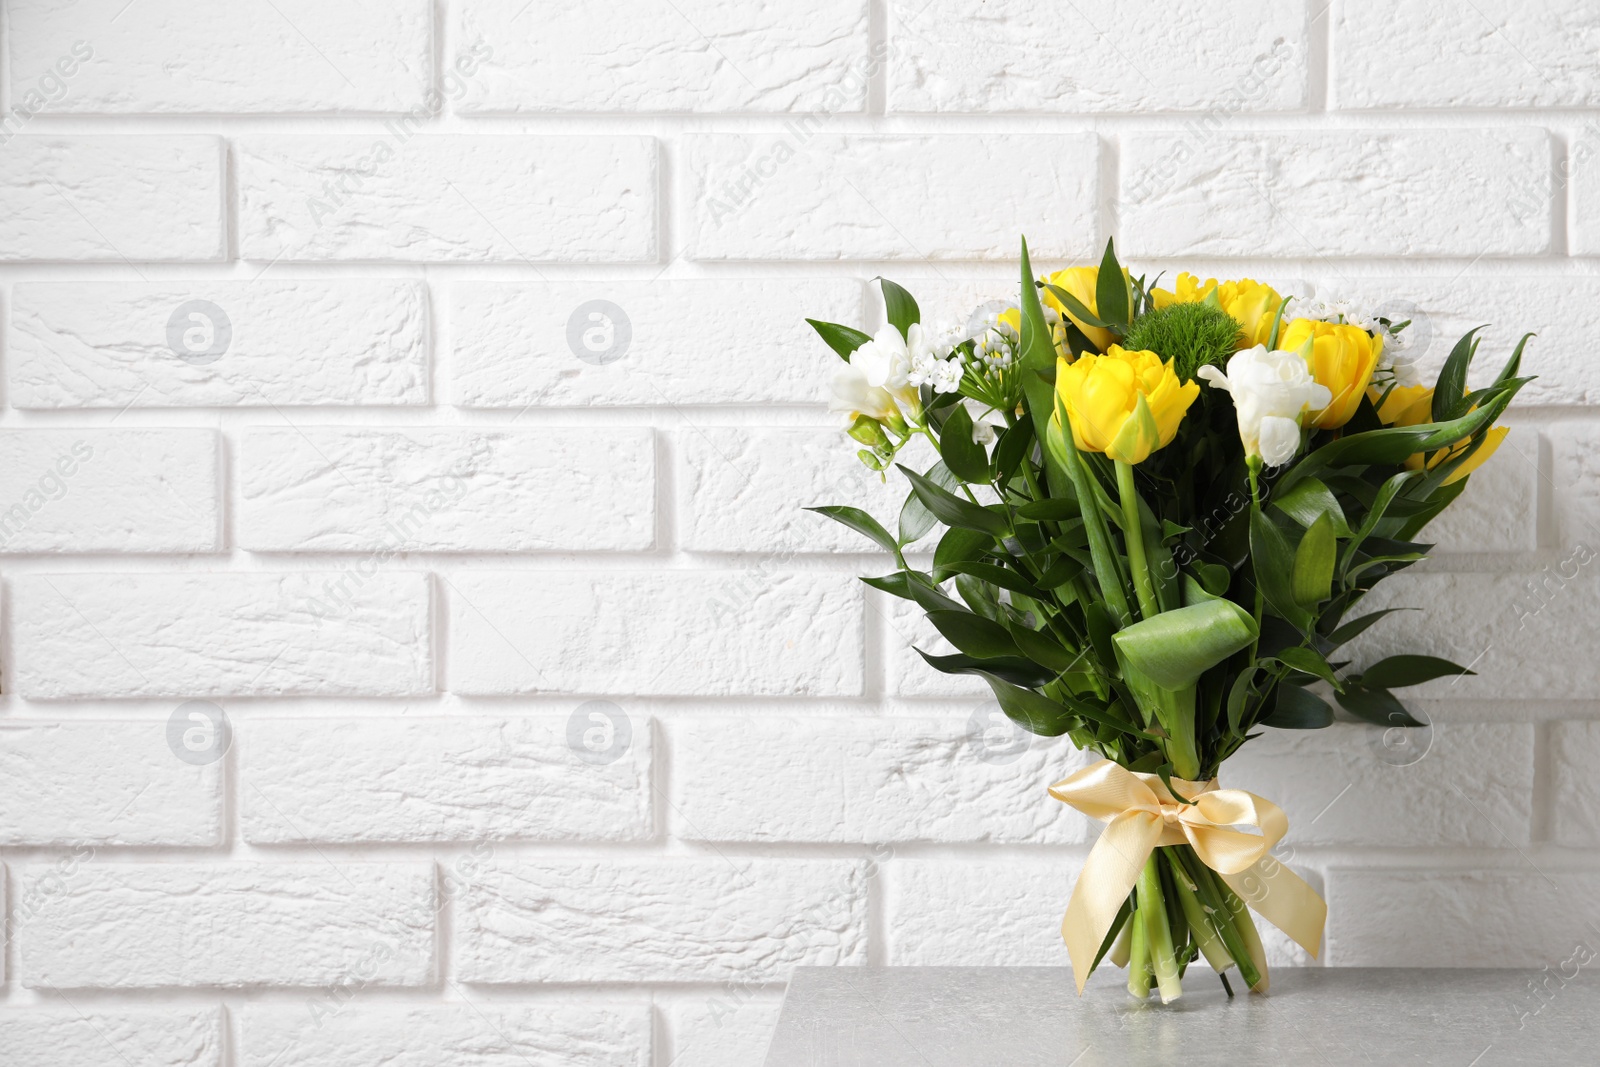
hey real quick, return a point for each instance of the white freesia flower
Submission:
(877, 380)
(986, 422)
(854, 395)
(1270, 392)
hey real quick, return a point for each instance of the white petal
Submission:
(1280, 440)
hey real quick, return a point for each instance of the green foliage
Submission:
(1258, 577)
(1192, 335)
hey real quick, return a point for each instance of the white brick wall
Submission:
(575, 767)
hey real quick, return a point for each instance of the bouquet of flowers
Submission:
(1160, 509)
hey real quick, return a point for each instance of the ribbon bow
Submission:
(1141, 814)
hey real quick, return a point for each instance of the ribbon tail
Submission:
(1284, 899)
(1107, 878)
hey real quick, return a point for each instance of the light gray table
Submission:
(1030, 1017)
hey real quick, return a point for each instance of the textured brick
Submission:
(110, 783)
(1468, 784)
(743, 490)
(511, 344)
(854, 779)
(1518, 631)
(708, 55)
(1493, 54)
(116, 344)
(1312, 193)
(1574, 753)
(463, 778)
(1520, 917)
(447, 490)
(197, 634)
(1444, 307)
(669, 633)
(1575, 483)
(301, 924)
(998, 913)
(165, 55)
(111, 199)
(109, 491)
(905, 630)
(728, 1027)
(1583, 164)
(950, 56)
(399, 196)
(803, 194)
(462, 1035)
(1499, 511)
(175, 1037)
(702, 919)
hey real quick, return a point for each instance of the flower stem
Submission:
(1133, 534)
(1253, 465)
(1201, 927)
(1138, 954)
(1163, 958)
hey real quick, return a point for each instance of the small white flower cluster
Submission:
(933, 358)
(1395, 363)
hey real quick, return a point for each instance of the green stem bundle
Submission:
(1206, 920)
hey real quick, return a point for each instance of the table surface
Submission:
(1030, 1017)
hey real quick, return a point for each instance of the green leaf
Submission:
(1351, 630)
(1077, 308)
(899, 307)
(1037, 357)
(842, 339)
(1050, 509)
(1308, 501)
(1111, 289)
(1307, 661)
(951, 509)
(1377, 706)
(1295, 709)
(1035, 713)
(1011, 450)
(964, 456)
(1393, 444)
(861, 523)
(1174, 648)
(1004, 577)
(896, 584)
(1045, 650)
(1312, 582)
(1386, 494)
(1020, 672)
(959, 545)
(915, 518)
(974, 634)
(1397, 672)
(1097, 620)
(1060, 573)
(1452, 381)
(1273, 561)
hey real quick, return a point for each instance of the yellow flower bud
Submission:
(1082, 283)
(1412, 405)
(1252, 305)
(1125, 404)
(1341, 357)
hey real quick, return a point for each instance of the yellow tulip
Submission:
(1081, 282)
(1412, 405)
(1125, 404)
(1341, 357)
(1406, 405)
(1252, 305)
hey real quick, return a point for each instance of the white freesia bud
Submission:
(1270, 390)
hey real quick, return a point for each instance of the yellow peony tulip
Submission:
(1412, 405)
(1341, 357)
(1081, 282)
(1252, 305)
(1125, 404)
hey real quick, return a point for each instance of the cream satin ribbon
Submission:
(1141, 814)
